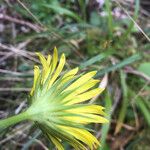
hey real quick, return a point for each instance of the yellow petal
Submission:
(58, 70)
(81, 89)
(45, 74)
(81, 80)
(68, 76)
(36, 75)
(92, 109)
(71, 72)
(85, 96)
(55, 59)
(42, 60)
(47, 71)
(89, 118)
(49, 57)
(82, 135)
(56, 142)
(87, 86)
(45, 67)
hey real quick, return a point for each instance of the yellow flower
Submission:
(57, 103)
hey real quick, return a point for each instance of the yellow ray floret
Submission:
(42, 60)
(46, 67)
(68, 76)
(71, 73)
(81, 80)
(56, 142)
(86, 119)
(55, 59)
(49, 58)
(83, 97)
(92, 109)
(89, 84)
(82, 135)
(36, 75)
(58, 70)
(86, 86)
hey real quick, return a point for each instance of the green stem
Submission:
(110, 21)
(5, 123)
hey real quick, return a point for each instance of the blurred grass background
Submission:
(111, 37)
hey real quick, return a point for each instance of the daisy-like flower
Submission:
(57, 103)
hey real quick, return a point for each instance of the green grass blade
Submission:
(105, 127)
(123, 110)
(63, 11)
(131, 25)
(110, 23)
(95, 59)
(146, 112)
(119, 65)
(31, 140)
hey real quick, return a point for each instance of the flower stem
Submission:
(5, 123)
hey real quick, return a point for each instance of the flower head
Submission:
(57, 103)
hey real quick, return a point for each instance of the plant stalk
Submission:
(5, 123)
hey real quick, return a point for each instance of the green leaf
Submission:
(131, 26)
(119, 65)
(31, 140)
(105, 127)
(63, 11)
(145, 68)
(142, 106)
(110, 19)
(123, 110)
(95, 59)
